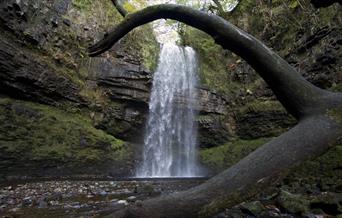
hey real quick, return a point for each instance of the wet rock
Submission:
(14, 210)
(42, 203)
(54, 21)
(27, 201)
(131, 198)
(27, 78)
(61, 6)
(138, 203)
(53, 203)
(328, 203)
(103, 193)
(293, 203)
(254, 208)
(262, 119)
(220, 215)
(67, 22)
(213, 130)
(124, 202)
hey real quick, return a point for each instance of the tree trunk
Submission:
(324, 3)
(319, 113)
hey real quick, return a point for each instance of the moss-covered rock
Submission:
(292, 203)
(262, 119)
(323, 173)
(44, 140)
(224, 156)
(212, 130)
(305, 204)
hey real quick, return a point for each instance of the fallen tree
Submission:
(318, 111)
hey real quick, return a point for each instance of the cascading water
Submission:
(171, 131)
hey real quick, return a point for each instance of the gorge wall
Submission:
(65, 114)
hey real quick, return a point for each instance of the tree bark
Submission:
(120, 8)
(319, 113)
(324, 3)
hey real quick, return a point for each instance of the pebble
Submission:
(14, 209)
(71, 196)
(131, 198)
(42, 203)
(103, 193)
(123, 202)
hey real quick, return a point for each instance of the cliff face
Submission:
(63, 113)
(50, 101)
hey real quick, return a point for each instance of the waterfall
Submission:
(171, 131)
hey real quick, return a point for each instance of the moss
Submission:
(295, 204)
(258, 105)
(335, 114)
(34, 133)
(336, 87)
(106, 16)
(213, 70)
(145, 48)
(260, 118)
(82, 4)
(224, 156)
(95, 95)
(324, 171)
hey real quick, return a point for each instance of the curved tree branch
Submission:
(319, 113)
(324, 3)
(120, 8)
(296, 94)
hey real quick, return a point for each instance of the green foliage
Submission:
(146, 48)
(336, 87)
(140, 43)
(335, 114)
(82, 4)
(294, 4)
(129, 7)
(213, 70)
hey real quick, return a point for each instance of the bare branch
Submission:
(120, 8)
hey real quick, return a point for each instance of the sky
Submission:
(166, 31)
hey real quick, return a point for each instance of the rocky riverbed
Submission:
(70, 198)
(81, 198)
